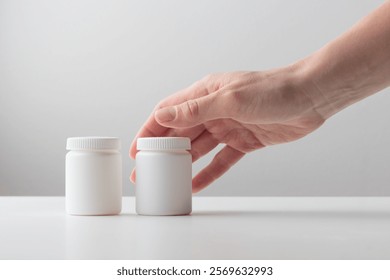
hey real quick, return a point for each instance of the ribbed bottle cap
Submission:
(163, 143)
(93, 143)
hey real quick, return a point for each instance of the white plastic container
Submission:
(93, 176)
(164, 176)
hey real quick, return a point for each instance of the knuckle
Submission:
(221, 165)
(191, 109)
(212, 82)
(234, 102)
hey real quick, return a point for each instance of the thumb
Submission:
(192, 112)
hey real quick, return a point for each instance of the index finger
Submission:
(151, 128)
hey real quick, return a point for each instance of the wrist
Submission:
(326, 95)
(307, 99)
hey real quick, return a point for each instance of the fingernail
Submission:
(165, 114)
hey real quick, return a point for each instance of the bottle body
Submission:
(93, 182)
(163, 182)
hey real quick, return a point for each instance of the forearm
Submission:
(352, 67)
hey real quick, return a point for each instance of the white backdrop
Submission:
(94, 67)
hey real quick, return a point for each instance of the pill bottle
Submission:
(93, 181)
(163, 176)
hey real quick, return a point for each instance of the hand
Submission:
(244, 110)
(251, 110)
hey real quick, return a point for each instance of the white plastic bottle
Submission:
(93, 176)
(164, 176)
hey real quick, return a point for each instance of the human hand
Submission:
(244, 110)
(250, 110)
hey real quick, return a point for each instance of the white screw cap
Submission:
(93, 143)
(163, 143)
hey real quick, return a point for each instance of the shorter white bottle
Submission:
(164, 176)
(93, 176)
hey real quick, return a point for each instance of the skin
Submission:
(248, 111)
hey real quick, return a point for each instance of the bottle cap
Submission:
(93, 143)
(163, 143)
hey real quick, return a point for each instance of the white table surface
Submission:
(219, 228)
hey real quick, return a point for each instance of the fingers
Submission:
(194, 112)
(152, 128)
(202, 145)
(191, 133)
(221, 163)
(196, 90)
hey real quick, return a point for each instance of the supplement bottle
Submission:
(93, 176)
(163, 176)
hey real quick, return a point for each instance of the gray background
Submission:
(79, 68)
